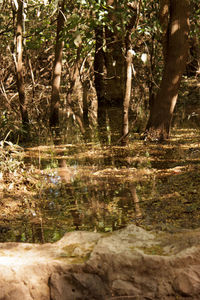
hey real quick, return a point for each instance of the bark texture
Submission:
(55, 94)
(110, 63)
(19, 65)
(175, 21)
(127, 97)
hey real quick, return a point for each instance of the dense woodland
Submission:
(98, 63)
(113, 87)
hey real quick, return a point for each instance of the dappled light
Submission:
(99, 149)
(70, 187)
(175, 26)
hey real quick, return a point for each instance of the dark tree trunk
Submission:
(175, 21)
(109, 65)
(19, 66)
(85, 105)
(115, 65)
(55, 94)
(75, 93)
(110, 68)
(99, 68)
(193, 64)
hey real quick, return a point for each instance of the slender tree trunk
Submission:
(127, 97)
(99, 68)
(19, 66)
(55, 94)
(85, 105)
(175, 49)
(129, 28)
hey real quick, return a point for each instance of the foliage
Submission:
(81, 19)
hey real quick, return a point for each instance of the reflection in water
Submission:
(89, 200)
(85, 190)
(66, 173)
(138, 213)
(93, 186)
(102, 188)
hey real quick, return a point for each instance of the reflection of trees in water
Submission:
(138, 213)
(99, 203)
(96, 202)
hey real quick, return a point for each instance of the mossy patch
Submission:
(74, 260)
(76, 252)
(153, 250)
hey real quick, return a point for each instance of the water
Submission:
(89, 186)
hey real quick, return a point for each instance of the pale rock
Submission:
(128, 264)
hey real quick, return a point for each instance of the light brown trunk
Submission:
(19, 66)
(55, 94)
(175, 54)
(127, 97)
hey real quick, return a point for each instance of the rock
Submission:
(127, 264)
(187, 282)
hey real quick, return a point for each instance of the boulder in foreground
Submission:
(128, 264)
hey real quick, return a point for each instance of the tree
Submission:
(19, 64)
(112, 43)
(174, 17)
(109, 61)
(101, 32)
(55, 94)
(193, 63)
(127, 97)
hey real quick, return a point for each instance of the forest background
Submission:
(87, 77)
(89, 41)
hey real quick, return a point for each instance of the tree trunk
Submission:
(115, 64)
(127, 97)
(109, 63)
(193, 64)
(85, 105)
(110, 68)
(55, 94)
(75, 91)
(19, 66)
(99, 67)
(175, 49)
